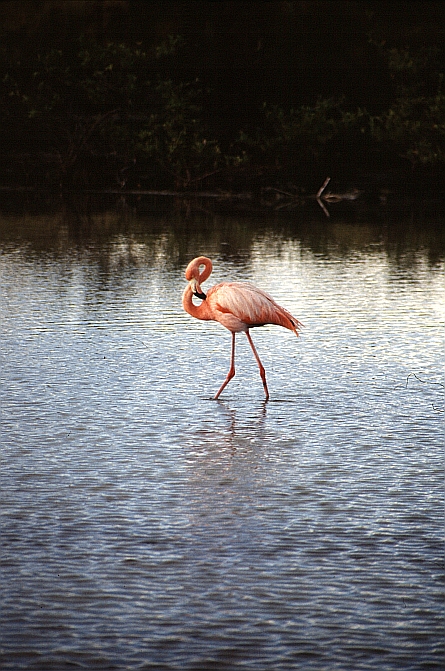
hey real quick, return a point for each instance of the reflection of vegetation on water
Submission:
(121, 236)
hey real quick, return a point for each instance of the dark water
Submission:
(146, 526)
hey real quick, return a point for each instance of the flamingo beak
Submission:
(196, 289)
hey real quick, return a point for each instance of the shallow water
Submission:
(146, 526)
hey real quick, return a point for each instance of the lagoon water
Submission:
(146, 526)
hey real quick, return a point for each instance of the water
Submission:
(146, 526)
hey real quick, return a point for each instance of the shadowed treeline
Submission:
(222, 96)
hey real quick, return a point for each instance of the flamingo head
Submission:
(194, 275)
(196, 289)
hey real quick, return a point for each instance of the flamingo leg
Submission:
(260, 365)
(231, 372)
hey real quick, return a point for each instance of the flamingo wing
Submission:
(248, 306)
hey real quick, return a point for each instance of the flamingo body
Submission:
(239, 306)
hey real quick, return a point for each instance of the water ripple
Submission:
(146, 526)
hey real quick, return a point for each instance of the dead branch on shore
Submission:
(330, 197)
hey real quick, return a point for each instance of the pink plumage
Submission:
(238, 306)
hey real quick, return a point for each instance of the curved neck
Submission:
(207, 269)
(193, 269)
(197, 311)
(195, 277)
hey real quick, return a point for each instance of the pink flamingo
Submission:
(238, 306)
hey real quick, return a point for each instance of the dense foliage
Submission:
(114, 113)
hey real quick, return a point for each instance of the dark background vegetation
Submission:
(222, 95)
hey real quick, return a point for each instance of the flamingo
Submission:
(239, 306)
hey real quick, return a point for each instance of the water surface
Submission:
(146, 526)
